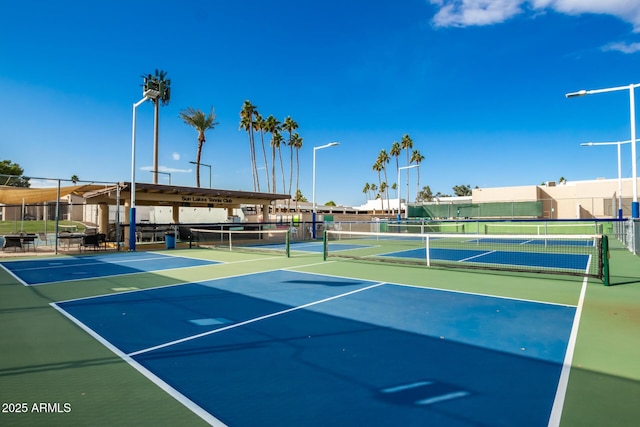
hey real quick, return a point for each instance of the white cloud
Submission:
(623, 47)
(461, 13)
(175, 156)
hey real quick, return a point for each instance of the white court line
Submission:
(192, 406)
(442, 398)
(49, 266)
(246, 322)
(563, 382)
(11, 273)
(406, 387)
(476, 256)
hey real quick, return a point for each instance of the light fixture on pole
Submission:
(147, 95)
(204, 164)
(313, 215)
(164, 173)
(406, 213)
(632, 111)
(618, 143)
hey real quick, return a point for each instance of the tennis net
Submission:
(579, 255)
(235, 239)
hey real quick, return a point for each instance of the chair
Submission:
(29, 240)
(95, 241)
(14, 242)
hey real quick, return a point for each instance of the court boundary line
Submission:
(563, 380)
(254, 320)
(184, 400)
(121, 274)
(14, 276)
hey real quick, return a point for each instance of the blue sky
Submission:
(478, 85)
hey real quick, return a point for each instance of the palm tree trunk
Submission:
(198, 156)
(284, 185)
(266, 163)
(273, 167)
(297, 175)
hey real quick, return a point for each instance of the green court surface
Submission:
(54, 373)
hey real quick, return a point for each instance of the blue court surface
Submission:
(577, 262)
(316, 247)
(289, 348)
(49, 270)
(537, 241)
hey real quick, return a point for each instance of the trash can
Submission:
(170, 240)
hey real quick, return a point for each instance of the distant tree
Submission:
(562, 180)
(258, 125)
(297, 144)
(289, 125)
(366, 189)
(377, 166)
(417, 158)
(462, 190)
(75, 179)
(201, 123)
(407, 144)
(11, 175)
(383, 159)
(299, 197)
(246, 123)
(272, 126)
(425, 195)
(330, 203)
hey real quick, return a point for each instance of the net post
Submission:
(287, 244)
(325, 245)
(427, 250)
(605, 260)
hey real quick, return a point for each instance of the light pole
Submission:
(632, 110)
(204, 164)
(164, 173)
(149, 94)
(618, 143)
(406, 213)
(313, 215)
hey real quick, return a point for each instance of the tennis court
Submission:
(339, 351)
(50, 270)
(240, 338)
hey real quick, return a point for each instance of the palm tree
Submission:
(159, 82)
(258, 125)
(278, 140)
(290, 125)
(297, 144)
(272, 125)
(75, 179)
(407, 144)
(201, 124)
(246, 123)
(377, 166)
(383, 159)
(417, 158)
(366, 189)
(395, 152)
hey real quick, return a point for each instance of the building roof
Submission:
(159, 194)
